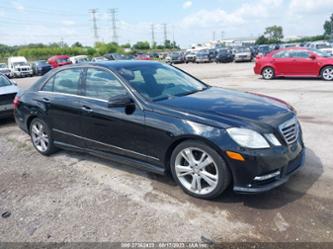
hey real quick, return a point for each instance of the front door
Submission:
(111, 129)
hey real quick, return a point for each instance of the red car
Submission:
(295, 62)
(59, 60)
(144, 57)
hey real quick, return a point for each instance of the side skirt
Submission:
(115, 158)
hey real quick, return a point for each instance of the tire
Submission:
(268, 73)
(41, 137)
(203, 187)
(327, 73)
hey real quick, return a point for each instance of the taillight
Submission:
(16, 102)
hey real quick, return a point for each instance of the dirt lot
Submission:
(75, 197)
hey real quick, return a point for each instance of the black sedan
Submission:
(161, 119)
(224, 55)
(8, 90)
(40, 67)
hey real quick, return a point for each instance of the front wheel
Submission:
(268, 73)
(199, 170)
(327, 73)
(41, 137)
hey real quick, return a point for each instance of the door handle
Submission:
(86, 108)
(46, 100)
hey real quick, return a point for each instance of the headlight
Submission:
(272, 139)
(248, 138)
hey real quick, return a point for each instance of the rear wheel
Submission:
(268, 73)
(41, 137)
(327, 73)
(199, 170)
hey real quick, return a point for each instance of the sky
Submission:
(188, 21)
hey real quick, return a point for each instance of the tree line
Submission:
(43, 51)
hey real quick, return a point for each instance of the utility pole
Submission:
(331, 27)
(222, 35)
(214, 35)
(93, 13)
(152, 35)
(165, 32)
(114, 25)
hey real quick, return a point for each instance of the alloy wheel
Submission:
(39, 136)
(268, 73)
(196, 171)
(328, 73)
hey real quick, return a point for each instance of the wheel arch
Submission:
(184, 138)
(267, 65)
(323, 66)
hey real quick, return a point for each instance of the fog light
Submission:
(268, 176)
(235, 156)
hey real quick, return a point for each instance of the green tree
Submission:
(328, 26)
(262, 40)
(274, 34)
(77, 44)
(142, 45)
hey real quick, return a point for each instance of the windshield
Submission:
(3, 65)
(242, 50)
(63, 60)
(157, 82)
(42, 63)
(320, 53)
(4, 81)
(320, 46)
(20, 64)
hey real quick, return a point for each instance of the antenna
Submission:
(114, 25)
(93, 12)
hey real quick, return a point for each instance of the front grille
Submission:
(290, 130)
(7, 98)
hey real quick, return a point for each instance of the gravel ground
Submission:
(76, 197)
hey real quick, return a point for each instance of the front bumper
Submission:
(267, 169)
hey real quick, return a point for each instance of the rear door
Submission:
(61, 98)
(283, 63)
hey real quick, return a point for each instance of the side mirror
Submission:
(120, 101)
(312, 57)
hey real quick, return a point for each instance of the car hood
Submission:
(232, 107)
(8, 89)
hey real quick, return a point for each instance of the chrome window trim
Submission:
(86, 67)
(73, 95)
(109, 145)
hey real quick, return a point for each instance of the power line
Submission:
(114, 25)
(93, 12)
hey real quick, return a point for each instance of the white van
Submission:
(19, 66)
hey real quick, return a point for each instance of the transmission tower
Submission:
(152, 35)
(165, 32)
(114, 25)
(93, 13)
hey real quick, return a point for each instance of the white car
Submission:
(99, 58)
(8, 91)
(79, 59)
(242, 54)
(322, 46)
(4, 69)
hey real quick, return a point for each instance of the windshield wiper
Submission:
(191, 92)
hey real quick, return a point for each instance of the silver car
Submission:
(243, 54)
(8, 91)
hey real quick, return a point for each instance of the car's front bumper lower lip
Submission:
(265, 170)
